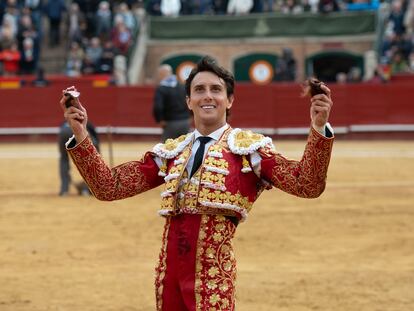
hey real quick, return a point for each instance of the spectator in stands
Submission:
(26, 27)
(328, 6)
(103, 20)
(239, 7)
(88, 66)
(74, 60)
(354, 75)
(341, 78)
(76, 24)
(397, 17)
(11, 58)
(170, 109)
(121, 37)
(29, 57)
(11, 16)
(120, 70)
(399, 64)
(203, 7)
(28, 31)
(310, 6)
(170, 8)
(260, 6)
(220, 6)
(89, 8)
(291, 7)
(127, 15)
(153, 7)
(7, 33)
(286, 66)
(106, 62)
(94, 51)
(396, 42)
(35, 7)
(54, 10)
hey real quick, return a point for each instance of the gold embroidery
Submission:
(305, 178)
(107, 184)
(171, 144)
(161, 267)
(215, 265)
(244, 139)
(219, 163)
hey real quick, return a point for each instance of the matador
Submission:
(211, 177)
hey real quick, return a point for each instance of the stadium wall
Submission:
(227, 50)
(276, 110)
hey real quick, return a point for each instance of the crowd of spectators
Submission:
(239, 7)
(20, 36)
(98, 34)
(397, 52)
(94, 34)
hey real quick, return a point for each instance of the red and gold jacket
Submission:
(225, 184)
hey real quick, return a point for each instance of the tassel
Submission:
(246, 166)
(163, 169)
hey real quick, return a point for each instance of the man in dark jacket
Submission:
(65, 133)
(170, 109)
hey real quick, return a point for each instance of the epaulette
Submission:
(172, 147)
(246, 142)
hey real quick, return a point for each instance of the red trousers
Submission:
(197, 269)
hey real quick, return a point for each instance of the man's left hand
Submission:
(321, 105)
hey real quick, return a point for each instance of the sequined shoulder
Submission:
(172, 147)
(246, 142)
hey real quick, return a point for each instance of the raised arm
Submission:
(307, 177)
(106, 184)
(120, 182)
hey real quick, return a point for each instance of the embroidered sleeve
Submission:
(120, 182)
(305, 178)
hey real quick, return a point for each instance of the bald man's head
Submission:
(164, 71)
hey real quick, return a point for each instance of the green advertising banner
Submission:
(263, 25)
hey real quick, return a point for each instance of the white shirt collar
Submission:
(215, 135)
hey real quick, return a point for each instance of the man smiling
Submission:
(211, 179)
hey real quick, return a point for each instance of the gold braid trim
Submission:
(305, 178)
(108, 184)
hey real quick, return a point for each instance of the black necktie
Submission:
(198, 158)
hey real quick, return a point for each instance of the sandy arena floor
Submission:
(351, 249)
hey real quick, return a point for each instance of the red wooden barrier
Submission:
(273, 106)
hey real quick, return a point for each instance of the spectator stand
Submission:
(61, 37)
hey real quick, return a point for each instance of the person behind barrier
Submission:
(65, 133)
(170, 110)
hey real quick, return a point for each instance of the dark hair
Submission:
(207, 63)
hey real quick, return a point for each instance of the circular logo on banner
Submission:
(183, 70)
(261, 72)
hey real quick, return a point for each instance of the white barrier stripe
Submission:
(382, 128)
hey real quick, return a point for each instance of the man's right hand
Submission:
(75, 115)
